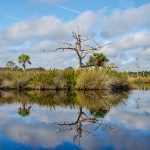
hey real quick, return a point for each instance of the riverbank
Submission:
(68, 79)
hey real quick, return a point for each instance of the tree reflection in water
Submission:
(96, 103)
(79, 125)
(25, 110)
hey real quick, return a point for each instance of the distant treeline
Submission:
(18, 68)
(138, 74)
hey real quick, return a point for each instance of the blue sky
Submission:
(31, 25)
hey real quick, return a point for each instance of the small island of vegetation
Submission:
(95, 74)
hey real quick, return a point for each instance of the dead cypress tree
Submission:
(81, 49)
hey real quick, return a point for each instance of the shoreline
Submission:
(68, 79)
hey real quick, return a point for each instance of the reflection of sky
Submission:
(130, 121)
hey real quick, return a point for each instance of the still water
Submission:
(75, 121)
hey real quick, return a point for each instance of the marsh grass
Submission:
(139, 80)
(68, 79)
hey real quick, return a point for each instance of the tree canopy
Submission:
(24, 59)
(97, 60)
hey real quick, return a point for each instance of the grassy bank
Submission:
(68, 79)
(139, 80)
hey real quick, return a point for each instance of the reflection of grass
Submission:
(141, 86)
(96, 102)
(62, 79)
(139, 80)
(142, 83)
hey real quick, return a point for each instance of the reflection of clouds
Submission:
(122, 139)
(131, 126)
(47, 116)
(46, 137)
(37, 129)
(39, 135)
(131, 120)
(131, 117)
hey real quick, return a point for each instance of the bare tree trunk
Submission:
(79, 52)
(24, 66)
(79, 62)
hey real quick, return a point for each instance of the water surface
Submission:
(76, 121)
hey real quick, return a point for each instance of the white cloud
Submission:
(129, 47)
(43, 32)
(124, 21)
(44, 27)
(134, 40)
(48, 27)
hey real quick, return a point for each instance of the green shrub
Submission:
(70, 78)
(42, 80)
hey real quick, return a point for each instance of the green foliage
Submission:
(70, 78)
(97, 59)
(42, 80)
(23, 59)
(23, 112)
(98, 113)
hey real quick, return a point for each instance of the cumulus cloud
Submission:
(124, 21)
(44, 33)
(135, 40)
(130, 42)
(45, 27)
(129, 29)
(48, 27)
(128, 48)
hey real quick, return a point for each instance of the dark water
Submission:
(75, 121)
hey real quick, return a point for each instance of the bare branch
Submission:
(65, 43)
(65, 48)
(88, 45)
(74, 35)
(85, 55)
(66, 124)
(77, 47)
(47, 50)
(101, 46)
(87, 39)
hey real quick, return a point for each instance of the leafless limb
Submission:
(77, 47)
(77, 125)
(65, 48)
